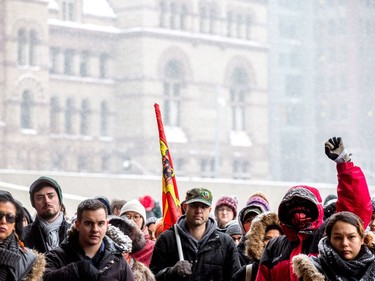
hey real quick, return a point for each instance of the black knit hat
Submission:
(43, 182)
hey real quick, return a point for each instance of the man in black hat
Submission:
(208, 254)
(50, 227)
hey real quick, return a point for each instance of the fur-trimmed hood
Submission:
(129, 228)
(305, 269)
(255, 236)
(37, 271)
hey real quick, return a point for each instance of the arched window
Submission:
(238, 90)
(103, 118)
(26, 104)
(85, 117)
(174, 74)
(54, 115)
(32, 47)
(69, 111)
(21, 47)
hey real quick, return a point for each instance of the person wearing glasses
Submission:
(135, 211)
(16, 261)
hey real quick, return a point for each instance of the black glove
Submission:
(181, 269)
(335, 150)
(86, 271)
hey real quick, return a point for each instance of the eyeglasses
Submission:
(8, 217)
(222, 209)
(133, 217)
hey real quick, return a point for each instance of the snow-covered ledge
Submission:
(240, 138)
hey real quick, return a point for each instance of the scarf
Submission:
(9, 256)
(51, 231)
(335, 268)
(144, 255)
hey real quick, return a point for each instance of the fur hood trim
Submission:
(254, 242)
(119, 238)
(38, 268)
(129, 228)
(142, 272)
(304, 268)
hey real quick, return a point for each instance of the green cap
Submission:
(199, 195)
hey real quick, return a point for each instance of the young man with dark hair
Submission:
(49, 227)
(87, 254)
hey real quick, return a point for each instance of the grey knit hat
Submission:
(43, 182)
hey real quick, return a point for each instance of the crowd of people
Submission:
(305, 239)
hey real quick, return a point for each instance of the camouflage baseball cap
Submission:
(199, 195)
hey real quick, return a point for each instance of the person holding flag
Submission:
(204, 252)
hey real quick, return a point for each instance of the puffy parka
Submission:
(215, 259)
(353, 195)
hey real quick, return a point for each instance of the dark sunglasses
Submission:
(8, 217)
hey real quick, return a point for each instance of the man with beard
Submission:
(208, 254)
(49, 228)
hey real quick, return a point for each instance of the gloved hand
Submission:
(335, 150)
(181, 269)
(86, 271)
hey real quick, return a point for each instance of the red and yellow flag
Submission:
(170, 199)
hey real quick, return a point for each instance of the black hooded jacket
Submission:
(214, 257)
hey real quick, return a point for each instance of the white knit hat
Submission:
(134, 206)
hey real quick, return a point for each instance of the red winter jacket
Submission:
(353, 196)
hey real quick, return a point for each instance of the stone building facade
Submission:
(79, 80)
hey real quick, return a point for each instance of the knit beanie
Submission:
(43, 182)
(230, 202)
(134, 206)
(259, 200)
(233, 228)
(105, 202)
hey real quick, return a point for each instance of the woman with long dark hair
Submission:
(344, 253)
(16, 261)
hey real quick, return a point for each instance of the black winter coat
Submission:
(61, 262)
(216, 259)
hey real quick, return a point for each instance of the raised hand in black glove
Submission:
(335, 150)
(86, 271)
(181, 268)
